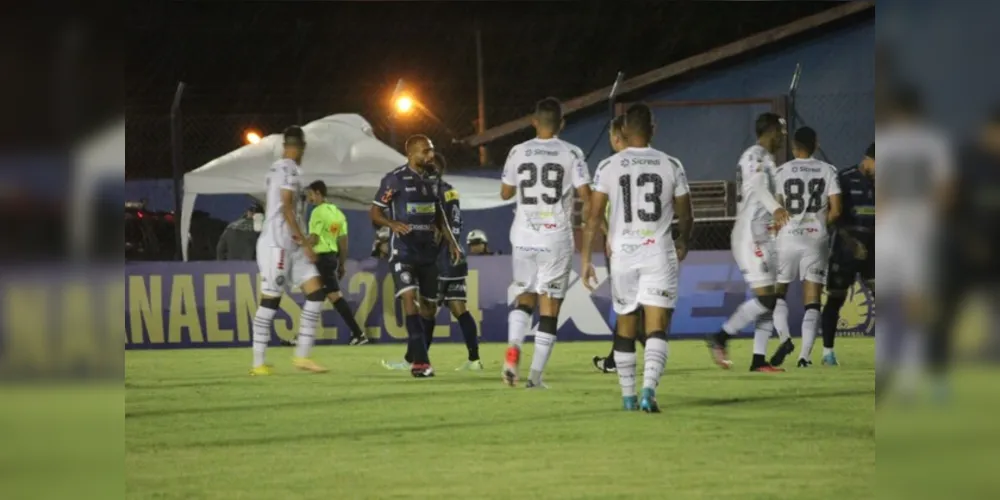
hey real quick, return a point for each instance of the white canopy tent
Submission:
(100, 158)
(342, 151)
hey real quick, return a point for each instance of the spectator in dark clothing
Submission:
(239, 240)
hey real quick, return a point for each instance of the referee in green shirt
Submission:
(328, 236)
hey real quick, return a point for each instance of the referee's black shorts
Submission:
(328, 264)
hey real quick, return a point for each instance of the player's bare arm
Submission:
(288, 212)
(758, 185)
(685, 224)
(836, 209)
(507, 192)
(379, 219)
(598, 203)
(342, 256)
(583, 192)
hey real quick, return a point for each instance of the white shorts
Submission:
(803, 260)
(542, 269)
(644, 279)
(903, 260)
(757, 260)
(281, 269)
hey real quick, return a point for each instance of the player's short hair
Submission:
(549, 112)
(767, 122)
(414, 140)
(618, 124)
(638, 120)
(318, 187)
(805, 138)
(294, 136)
(871, 151)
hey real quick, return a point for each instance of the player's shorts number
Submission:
(550, 176)
(801, 197)
(651, 195)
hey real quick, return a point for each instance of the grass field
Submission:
(197, 427)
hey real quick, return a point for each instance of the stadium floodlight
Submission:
(403, 104)
(252, 137)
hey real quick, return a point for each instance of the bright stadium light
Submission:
(403, 104)
(252, 137)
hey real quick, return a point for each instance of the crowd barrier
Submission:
(182, 305)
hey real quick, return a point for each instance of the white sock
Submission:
(262, 334)
(308, 323)
(781, 321)
(827, 351)
(625, 361)
(744, 315)
(810, 324)
(656, 354)
(518, 324)
(544, 342)
(762, 333)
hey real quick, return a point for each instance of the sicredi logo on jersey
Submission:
(420, 208)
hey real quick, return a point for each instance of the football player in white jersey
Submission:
(645, 188)
(544, 174)
(915, 184)
(286, 259)
(760, 217)
(809, 190)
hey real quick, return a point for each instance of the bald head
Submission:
(420, 151)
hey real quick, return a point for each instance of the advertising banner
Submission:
(182, 305)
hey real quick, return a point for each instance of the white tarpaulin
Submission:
(342, 152)
(100, 158)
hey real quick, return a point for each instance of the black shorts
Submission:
(451, 289)
(845, 269)
(328, 264)
(420, 277)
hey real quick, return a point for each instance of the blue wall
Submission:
(836, 97)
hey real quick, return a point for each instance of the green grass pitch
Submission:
(198, 427)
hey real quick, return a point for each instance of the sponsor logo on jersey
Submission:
(637, 233)
(420, 208)
(451, 195)
(542, 152)
(387, 196)
(406, 278)
(532, 249)
(422, 227)
(645, 161)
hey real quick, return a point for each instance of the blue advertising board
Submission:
(181, 305)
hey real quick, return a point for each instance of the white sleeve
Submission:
(760, 190)
(602, 179)
(581, 174)
(681, 187)
(832, 183)
(510, 168)
(289, 178)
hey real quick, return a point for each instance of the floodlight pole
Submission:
(176, 146)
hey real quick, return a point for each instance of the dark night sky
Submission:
(275, 58)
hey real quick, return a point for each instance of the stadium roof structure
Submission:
(760, 40)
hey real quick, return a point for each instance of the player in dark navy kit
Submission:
(408, 202)
(452, 275)
(852, 246)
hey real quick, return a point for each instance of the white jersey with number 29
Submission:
(546, 173)
(284, 175)
(641, 184)
(805, 186)
(753, 217)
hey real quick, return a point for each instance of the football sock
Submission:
(545, 340)
(625, 359)
(428, 324)
(308, 323)
(471, 335)
(518, 323)
(781, 320)
(416, 351)
(762, 333)
(344, 310)
(809, 324)
(655, 358)
(262, 334)
(831, 316)
(609, 362)
(744, 315)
